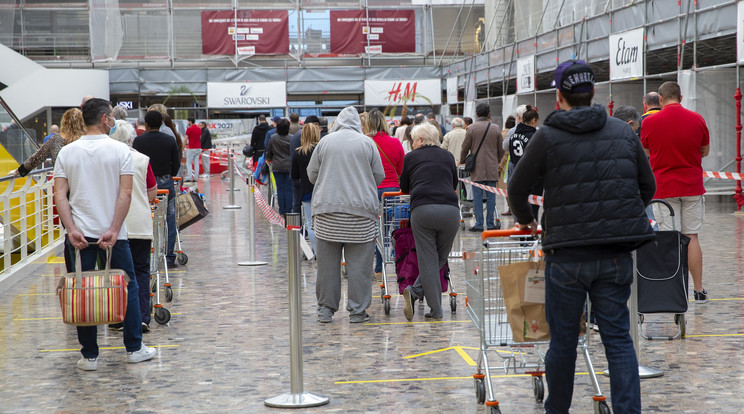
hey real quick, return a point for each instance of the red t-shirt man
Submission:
(193, 136)
(674, 137)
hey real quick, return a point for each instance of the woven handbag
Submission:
(93, 297)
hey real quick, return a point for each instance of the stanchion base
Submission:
(288, 400)
(644, 371)
(251, 263)
(231, 207)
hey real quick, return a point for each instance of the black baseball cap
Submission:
(574, 76)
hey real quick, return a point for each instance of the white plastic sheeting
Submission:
(106, 31)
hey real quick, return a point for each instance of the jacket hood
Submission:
(578, 120)
(347, 119)
(522, 128)
(263, 126)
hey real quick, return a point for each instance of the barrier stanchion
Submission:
(297, 397)
(644, 371)
(231, 168)
(251, 225)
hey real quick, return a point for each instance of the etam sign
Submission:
(246, 94)
(626, 55)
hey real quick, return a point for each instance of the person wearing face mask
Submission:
(165, 160)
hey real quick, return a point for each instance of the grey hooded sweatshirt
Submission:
(346, 169)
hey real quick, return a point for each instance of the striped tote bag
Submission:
(94, 297)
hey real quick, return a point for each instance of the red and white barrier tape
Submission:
(532, 199)
(239, 173)
(723, 175)
(268, 212)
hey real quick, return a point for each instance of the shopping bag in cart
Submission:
(190, 209)
(523, 288)
(406, 261)
(93, 297)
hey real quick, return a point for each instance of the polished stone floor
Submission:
(226, 348)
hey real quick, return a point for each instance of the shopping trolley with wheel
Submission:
(158, 257)
(485, 305)
(181, 257)
(395, 212)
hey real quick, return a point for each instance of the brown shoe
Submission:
(506, 213)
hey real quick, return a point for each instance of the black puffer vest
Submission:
(591, 181)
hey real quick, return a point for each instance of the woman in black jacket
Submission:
(277, 153)
(308, 140)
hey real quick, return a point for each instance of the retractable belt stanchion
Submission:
(251, 225)
(231, 167)
(644, 371)
(296, 398)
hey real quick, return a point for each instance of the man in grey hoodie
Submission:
(346, 169)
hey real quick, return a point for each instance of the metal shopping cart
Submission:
(158, 257)
(395, 212)
(485, 304)
(181, 257)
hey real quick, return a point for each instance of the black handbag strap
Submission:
(482, 139)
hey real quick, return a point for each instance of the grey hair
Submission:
(419, 119)
(428, 132)
(458, 123)
(626, 113)
(120, 113)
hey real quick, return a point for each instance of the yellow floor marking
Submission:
(440, 378)
(712, 335)
(411, 323)
(36, 294)
(55, 259)
(46, 319)
(106, 347)
(464, 356)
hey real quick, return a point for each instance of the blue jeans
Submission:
(607, 281)
(140, 249)
(478, 205)
(308, 213)
(165, 182)
(121, 258)
(378, 255)
(284, 191)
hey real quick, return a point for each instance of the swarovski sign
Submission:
(626, 55)
(246, 94)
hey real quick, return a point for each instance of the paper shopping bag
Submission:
(93, 297)
(190, 209)
(523, 288)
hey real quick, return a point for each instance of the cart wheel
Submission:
(480, 390)
(453, 303)
(641, 317)
(495, 410)
(182, 258)
(603, 408)
(168, 294)
(679, 319)
(162, 316)
(387, 306)
(538, 389)
(154, 287)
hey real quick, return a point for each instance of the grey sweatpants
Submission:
(434, 228)
(359, 260)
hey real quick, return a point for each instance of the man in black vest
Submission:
(597, 184)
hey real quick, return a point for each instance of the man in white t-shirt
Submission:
(92, 191)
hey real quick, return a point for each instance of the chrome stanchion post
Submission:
(296, 398)
(231, 167)
(644, 371)
(251, 225)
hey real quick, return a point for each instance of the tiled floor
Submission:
(226, 348)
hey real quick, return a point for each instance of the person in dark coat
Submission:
(597, 183)
(258, 136)
(206, 147)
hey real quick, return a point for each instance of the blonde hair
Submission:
(72, 125)
(160, 108)
(363, 118)
(309, 138)
(426, 131)
(376, 123)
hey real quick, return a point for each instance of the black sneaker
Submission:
(497, 226)
(701, 296)
(171, 264)
(145, 328)
(116, 326)
(478, 229)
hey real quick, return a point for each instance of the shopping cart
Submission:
(158, 260)
(485, 304)
(181, 257)
(395, 212)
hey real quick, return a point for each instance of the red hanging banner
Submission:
(387, 31)
(259, 32)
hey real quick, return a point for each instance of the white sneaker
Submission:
(88, 364)
(144, 354)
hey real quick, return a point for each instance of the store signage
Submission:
(400, 92)
(626, 55)
(246, 94)
(526, 74)
(452, 90)
(126, 104)
(382, 31)
(261, 32)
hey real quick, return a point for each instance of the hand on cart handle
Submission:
(516, 231)
(393, 194)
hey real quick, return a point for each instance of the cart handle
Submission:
(163, 192)
(177, 178)
(507, 233)
(393, 194)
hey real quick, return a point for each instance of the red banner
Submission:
(259, 32)
(387, 31)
